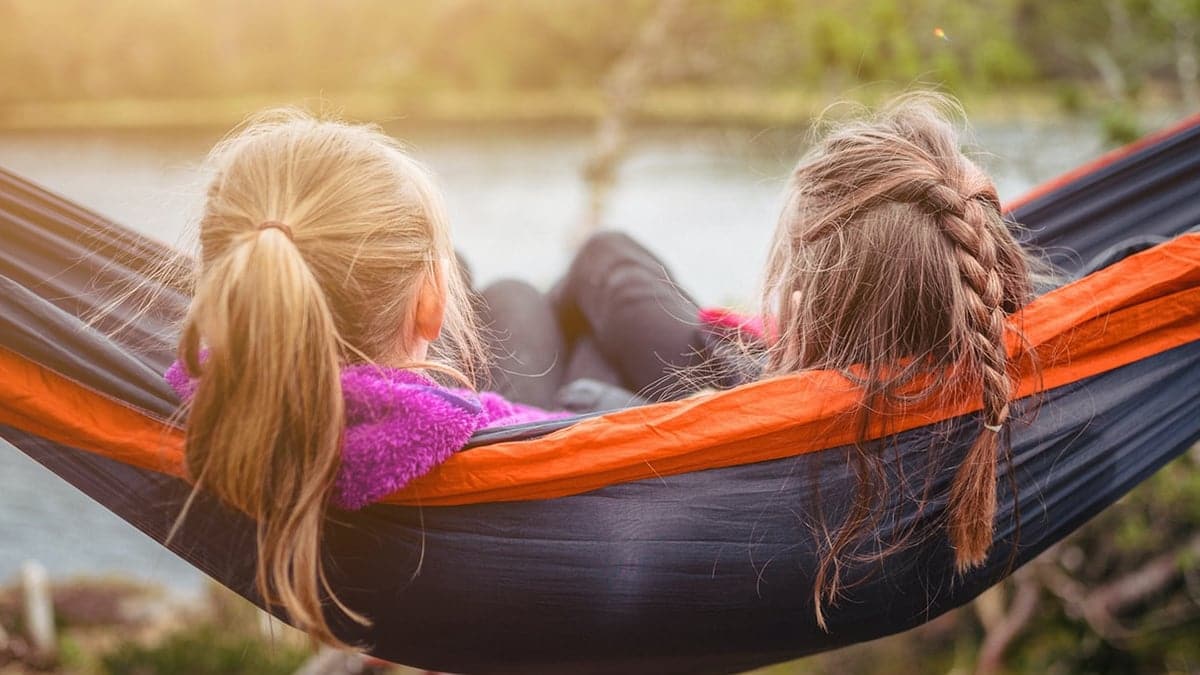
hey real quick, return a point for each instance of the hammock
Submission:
(672, 537)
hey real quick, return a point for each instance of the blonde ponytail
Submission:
(269, 406)
(316, 238)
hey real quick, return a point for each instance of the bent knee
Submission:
(604, 252)
(509, 288)
(607, 242)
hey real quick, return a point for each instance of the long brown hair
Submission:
(315, 239)
(891, 263)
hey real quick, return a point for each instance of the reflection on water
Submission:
(704, 199)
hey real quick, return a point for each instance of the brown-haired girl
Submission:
(324, 275)
(892, 264)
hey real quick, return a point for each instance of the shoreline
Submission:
(679, 106)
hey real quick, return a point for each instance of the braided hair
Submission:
(892, 264)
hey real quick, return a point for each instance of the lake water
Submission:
(703, 199)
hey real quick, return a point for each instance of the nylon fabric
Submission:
(707, 571)
(1150, 187)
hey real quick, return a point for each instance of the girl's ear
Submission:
(431, 304)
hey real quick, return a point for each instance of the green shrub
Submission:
(1000, 62)
(205, 649)
(1119, 125)
(1071, 98)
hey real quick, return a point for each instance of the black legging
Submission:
(617, 317)
(528, 349)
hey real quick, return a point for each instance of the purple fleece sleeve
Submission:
(397, 430)
(399, 425)
(177, 377)
(499, 411)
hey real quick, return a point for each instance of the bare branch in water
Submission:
(623, 88)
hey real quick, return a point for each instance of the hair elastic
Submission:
(994, 428)
(276, 225)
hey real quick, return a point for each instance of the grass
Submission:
(205, 649)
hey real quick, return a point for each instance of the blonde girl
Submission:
(323, 278)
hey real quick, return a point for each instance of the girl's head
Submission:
(321, 244)
(891, 262)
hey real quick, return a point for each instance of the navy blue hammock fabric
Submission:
(702, 571)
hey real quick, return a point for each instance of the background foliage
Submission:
(74, 49)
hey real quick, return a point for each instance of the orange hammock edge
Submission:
(1141, 306)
